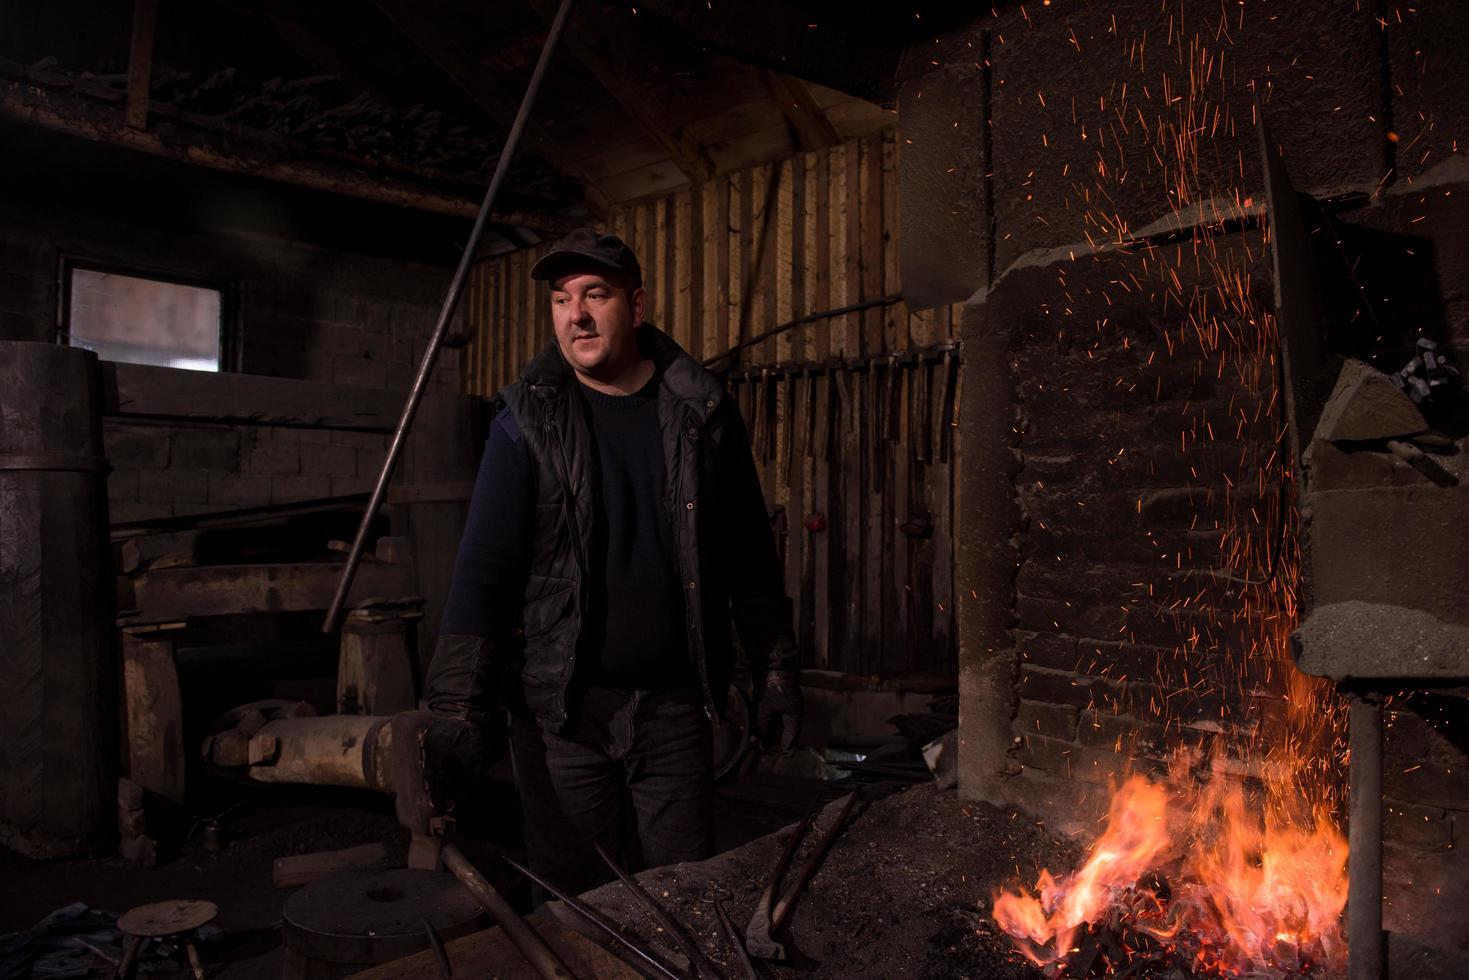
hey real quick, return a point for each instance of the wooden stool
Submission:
(163, 920)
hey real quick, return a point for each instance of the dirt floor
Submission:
(904, 892)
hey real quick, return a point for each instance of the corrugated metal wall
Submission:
(851, 415)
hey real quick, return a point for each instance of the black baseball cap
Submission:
(585, 245)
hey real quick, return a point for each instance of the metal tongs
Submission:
(772, 914)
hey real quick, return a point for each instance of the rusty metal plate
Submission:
(376, 916)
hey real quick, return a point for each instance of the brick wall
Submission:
(303, 312)
(1118, 491)
(164, 470)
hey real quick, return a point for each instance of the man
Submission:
(616, 531)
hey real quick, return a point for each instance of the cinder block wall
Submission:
(1116, 422)
(301, 312)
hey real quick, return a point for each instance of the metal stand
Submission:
(1364, 899)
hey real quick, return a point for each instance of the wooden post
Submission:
(155, 712)
(140, 63)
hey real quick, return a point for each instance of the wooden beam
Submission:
(442, 45)
(313, 48)
(812, 129)
(273, 157)
(686, 154)
(173, 594)
(140, 63)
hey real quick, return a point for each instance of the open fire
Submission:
(1233, 863)
(1217, 885)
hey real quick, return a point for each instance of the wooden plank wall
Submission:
(851, 416)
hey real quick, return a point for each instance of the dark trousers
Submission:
(632, 772)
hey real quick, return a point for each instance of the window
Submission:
(140, 319)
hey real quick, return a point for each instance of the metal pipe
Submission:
(446, 312)
(600, 921)
(1364, 840)
(526, 939)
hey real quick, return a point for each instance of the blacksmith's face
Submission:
(596, 316)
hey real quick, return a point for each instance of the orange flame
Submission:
(1250, 888)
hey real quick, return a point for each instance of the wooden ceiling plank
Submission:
(317, 51)
(812, 129)
(140, 63)
(441, 46)
(688, 155)
(31, 105)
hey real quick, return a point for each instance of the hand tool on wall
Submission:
(446, 313)
(771, 914)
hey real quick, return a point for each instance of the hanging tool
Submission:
(703, 966)
(597, 919)
(441, 326)
(771, 914)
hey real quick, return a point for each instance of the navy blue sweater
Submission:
(634, 634)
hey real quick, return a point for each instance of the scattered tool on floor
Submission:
(163, 920)
(703, 965)
(525, 938)
(612, 931)
(437, 945)
(736, 941)
(768, 920)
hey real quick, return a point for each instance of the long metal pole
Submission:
(446, 312)
(530, 944)
(1364, 839)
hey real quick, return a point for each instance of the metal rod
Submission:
(530, 944)
(600, 921)
(437, 945)
(122, 531)
(798, 321)
(451, 301)
(1364, 841)
(664, 918)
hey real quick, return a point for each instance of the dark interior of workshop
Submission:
(1100, 365)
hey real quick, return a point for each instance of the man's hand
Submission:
(437, 760)
(778, 709)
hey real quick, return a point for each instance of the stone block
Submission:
(1091, 104)
(1403, 546)
(329, 460)
(126, 511)
(358, 371)
(1060, 687)
(286, 489)
(176, 485)
(239, 489)
(144, 447)
(122, 484)
(205, 449)
(945, 246)
(343, 485)
(273, 457)
(1429, 75)
(370, 462)
(1072, 761)
(1052, 650)
(359, 440)
(1423, 827)
(1051, 720)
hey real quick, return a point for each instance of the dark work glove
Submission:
(438, 760)
(778, 709)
